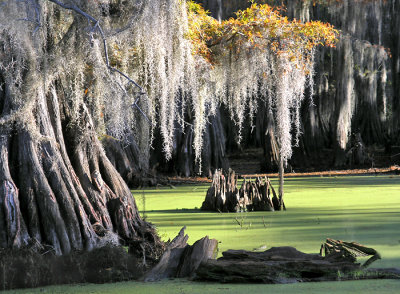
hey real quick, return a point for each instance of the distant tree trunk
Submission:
(271, 148)
(183, 162)
(281, 181)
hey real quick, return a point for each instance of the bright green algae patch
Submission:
(186, 287)
(365, 209)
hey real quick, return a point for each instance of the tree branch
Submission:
(32, 12)
(97, 27)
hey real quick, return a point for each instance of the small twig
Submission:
(238, 222)
(48, 251)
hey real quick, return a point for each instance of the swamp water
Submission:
(364, 209)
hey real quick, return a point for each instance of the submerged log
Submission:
(282, 265)
(277, 265)
(224, 195)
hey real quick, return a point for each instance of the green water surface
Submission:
(365, 209)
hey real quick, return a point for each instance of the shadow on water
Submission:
(176, 211)
(293, 211)
(290, 183)
(348, 181)
(308, 218)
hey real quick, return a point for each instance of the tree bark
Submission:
(283, 265)
(57, 186)
(181, 260)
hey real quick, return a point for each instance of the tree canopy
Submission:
(276, 52)
(259, 27)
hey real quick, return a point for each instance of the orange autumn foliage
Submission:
(259, 27)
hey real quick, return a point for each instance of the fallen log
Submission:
(282, 265)
(224, 195)
(278, 265)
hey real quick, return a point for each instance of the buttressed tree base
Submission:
(70, 74)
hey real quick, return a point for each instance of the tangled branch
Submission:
(97, 28)
(33, 15)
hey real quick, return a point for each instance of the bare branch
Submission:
(139, 6)
(32, 8)
(74, 8)
(97, 28)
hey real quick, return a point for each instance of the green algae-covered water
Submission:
(365, 209)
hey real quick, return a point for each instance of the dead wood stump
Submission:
(181, 260)
(224, 195)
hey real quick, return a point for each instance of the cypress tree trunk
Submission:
(57, 186)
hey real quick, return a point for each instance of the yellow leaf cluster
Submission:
(259, 27)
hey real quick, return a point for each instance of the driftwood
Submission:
(224, 195)
(181, 260)
(281, 265)
(349, 250)
(278, 265)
